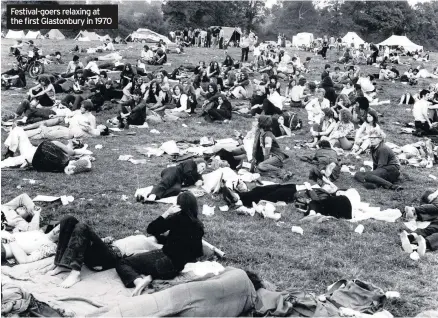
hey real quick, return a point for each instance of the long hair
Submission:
(189, 207)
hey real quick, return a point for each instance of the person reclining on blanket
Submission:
(49, 156)
(79, 245)
(31, 246)
(17, 211)
(186, 173)
(182, 245)
(32, 115)
(15, 77)
(386, 166)
(81, 123)
(426, 238)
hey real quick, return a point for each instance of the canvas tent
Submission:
(87, 36)
(55, 34)
(33, 35)
(105, 37)
(401, 40)
(351, 38)
(231, 34)
(303, 38)
(15, 34)
(147, 36)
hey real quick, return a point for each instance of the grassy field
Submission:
(325, 253)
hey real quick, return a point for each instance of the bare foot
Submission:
(73, 278)
(57, 270)
(406, 245)
(421, 250)
(140, 285)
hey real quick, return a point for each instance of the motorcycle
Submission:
(31, 65)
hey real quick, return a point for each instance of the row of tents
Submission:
(352, 39)
(85, 36)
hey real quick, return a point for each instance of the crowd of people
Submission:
(271, 87)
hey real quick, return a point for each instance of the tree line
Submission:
(374, 21)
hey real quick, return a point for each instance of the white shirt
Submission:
(314, 109)
(147, 55)
(297, 92)
(366, 84)
(109, 46)
(92, 66)
(420, 110)
(72, 66)
(276, 100)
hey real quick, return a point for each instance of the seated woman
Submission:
(229, 80)
(220, 111)
(386, 166)
(154, 96)
(338, 137)
(17, 211)
(200, 68)
(201, 83)
(228, 64)
(272, 104)
(427, 238)
(28, 247)
(42, 94)
(127, 75)
(134, 86)
(173, 178)
(182, 245)
(324, 128)
(316, 105)
(214, 71)
(362, 140)
(210, 95)
(271, 162)
(240, 90)
(132, 112)
(159, 58)
(49, 156)
(146, 54)
(183, 104)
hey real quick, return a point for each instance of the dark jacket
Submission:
(383, 156)
(183, 244)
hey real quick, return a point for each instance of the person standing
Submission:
(208, 39)
(244, 45)
(221, 38)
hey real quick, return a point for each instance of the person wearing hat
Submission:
(386, 166)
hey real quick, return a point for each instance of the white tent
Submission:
(401, 40)
(303, 38)
(33, 35)
(55, 34)
(147, 36)
(352, 38)
(87, 36)
(15, 34)
(105, 37)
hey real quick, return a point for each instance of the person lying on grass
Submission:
(81, 123)
(31, 246)
(186, 173)
(48, 156)
(427, 238)
(18, 211)
(182, 245)
(386, 166)
(79, 245)
(326, 161)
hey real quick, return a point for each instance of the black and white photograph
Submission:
(258, 158)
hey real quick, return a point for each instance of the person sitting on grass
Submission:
(183, 244)
(316, 105)
(28, 247)
(173, 178)
(324, 128)
(134, 86)
(146, 54)
(386, 166)
(297, 93)
(362, 140)
(18, 211)
(273, 156)
(427, 238)
(221, 110)
(211, 94)
(240, 90)
(154, 96)
(127, 75)
(272, 104)
(14, 78)
(420, 111)
(42, 94)
(184, 105)
(327, 163)
(160, 57)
